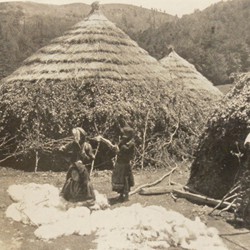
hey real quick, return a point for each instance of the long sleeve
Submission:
(126, 151)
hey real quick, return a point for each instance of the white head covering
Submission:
(247, 141)
(77, 132)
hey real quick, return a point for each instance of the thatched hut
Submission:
(221, 160)
(186, 73)
(95, 76)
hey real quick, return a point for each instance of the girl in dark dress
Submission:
(77, 187)
(122, 176)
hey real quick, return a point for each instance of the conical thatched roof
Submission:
(96, 77)
(219, 164)
(93, 47)
(185, 72)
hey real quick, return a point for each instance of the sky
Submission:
(173, 7)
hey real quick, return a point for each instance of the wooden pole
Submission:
(202, 199)
(144, 141)
(36, 163)
(93, 162)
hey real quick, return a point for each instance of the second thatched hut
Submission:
(187, 75)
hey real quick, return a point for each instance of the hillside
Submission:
(26, 26)
(216, 40)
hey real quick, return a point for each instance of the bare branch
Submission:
(152, 183)
(172, 135)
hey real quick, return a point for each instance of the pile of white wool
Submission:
(134, 227)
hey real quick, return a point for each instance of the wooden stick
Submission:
(144, 141)
(201, 199)
(36, 163)
(228, 207)
(174, 197)
(93, 162)
(231, 197)
(223, 199)
(152, 183)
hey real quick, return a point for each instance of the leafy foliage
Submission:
(38, 116)
(214, 170)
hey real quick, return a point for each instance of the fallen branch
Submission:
(224, 198)
(202, 199)
(231, 197)
(174, 197)
(158, 190)
(228, 207)
(153, 183)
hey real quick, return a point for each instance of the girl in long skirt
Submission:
(122, 176)
(78, 188)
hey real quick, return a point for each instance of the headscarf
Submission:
(78, 132)
(247, 141)
(128, 132)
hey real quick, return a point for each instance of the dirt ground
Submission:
(15, 235)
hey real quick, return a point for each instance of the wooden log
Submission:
(158, 190)
(202, 199)
(152, 183)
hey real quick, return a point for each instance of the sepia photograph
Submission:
(125, 125)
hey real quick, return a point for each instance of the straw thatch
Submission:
(96, 77)
(185, 72)
(222, 160)
(93, 47)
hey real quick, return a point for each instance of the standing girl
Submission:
(122, 176)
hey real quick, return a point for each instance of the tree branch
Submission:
(152, 183)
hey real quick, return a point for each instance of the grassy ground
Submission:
(15, 235)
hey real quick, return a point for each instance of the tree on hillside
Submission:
(215, 40)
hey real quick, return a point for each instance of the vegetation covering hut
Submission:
(95, 77)
(185, 72)
(222, 161)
